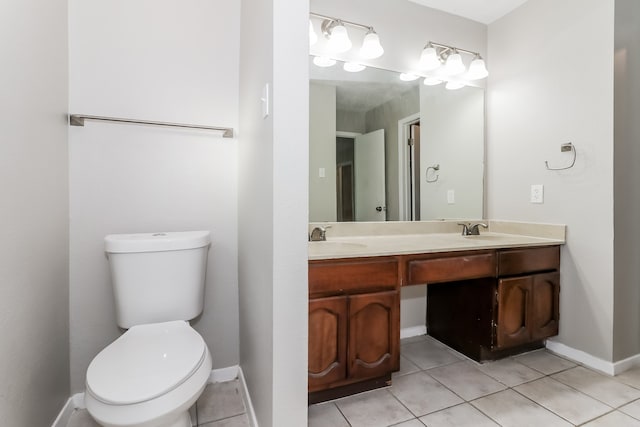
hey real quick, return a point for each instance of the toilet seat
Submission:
(145, 362)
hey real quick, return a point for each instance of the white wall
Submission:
(165, 61)
(273, 210)
(551, 82)
(626, 338)
(34, 276)
(322, 152)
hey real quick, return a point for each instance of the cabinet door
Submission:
(545, 300)
(327, 341)
(514, 296)
(374, 334)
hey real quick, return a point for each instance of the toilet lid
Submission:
(145, 362)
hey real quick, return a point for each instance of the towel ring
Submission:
(564, 148)
(435, 168)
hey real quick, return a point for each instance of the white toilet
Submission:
(153, 373)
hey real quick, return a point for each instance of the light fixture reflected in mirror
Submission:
(454, 84)
(431, 81)
(324, 61)
(408, 77)
(353, 67)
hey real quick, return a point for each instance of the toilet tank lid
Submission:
(155, 242)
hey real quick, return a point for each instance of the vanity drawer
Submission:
(352, 275)
(528, 260)
(451, 268)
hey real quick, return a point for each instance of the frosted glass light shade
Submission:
(324, 61)
(353, 67)
(313, 37)
(429, 59)
(454, 64)
(339, 39)
(371, 47)
(477, 69)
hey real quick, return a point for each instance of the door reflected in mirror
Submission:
(384, 149)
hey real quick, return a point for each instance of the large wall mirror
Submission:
(383, 149)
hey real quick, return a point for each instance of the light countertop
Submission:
(350, 240)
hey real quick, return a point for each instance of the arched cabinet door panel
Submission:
(373, 334)
(327, 341)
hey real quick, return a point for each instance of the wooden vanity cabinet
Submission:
(354, 325)
(510, 310)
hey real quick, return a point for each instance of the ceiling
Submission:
(485, 11)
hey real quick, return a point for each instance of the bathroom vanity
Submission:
(488, 296)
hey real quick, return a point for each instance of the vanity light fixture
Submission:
(371, 47)
(338, 36)
(353, 67)
(434, 55)
(324, 61)
(338, 41)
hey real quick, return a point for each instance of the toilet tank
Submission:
(157, 277)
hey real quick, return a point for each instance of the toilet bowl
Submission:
(149, 377)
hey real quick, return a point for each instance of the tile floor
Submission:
(221, 405)
(438, 387)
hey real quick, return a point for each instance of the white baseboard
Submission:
(609, 368)
(253, 421)
(413, 331)
(65, 414)
(217, 376)
(223, 375)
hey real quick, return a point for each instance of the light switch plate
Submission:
(537, 193)
(265, 101)
(321, 173)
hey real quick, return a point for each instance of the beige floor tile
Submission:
(81, 418)
(326, 415)
(421, 394)
(510, 409)
(410, 340)
(237, 421)
(410, 423)
(373, 409)
(563, 400)
(464, 379)
(632, 409)
(219, 401)
(463, 415)
(631, 377)
(614, 419)
(509, 372)
(545, 362)
(598, 386)
(406, 367)
(428, 354)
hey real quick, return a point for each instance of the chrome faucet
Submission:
(319, 234)
(472, 229)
